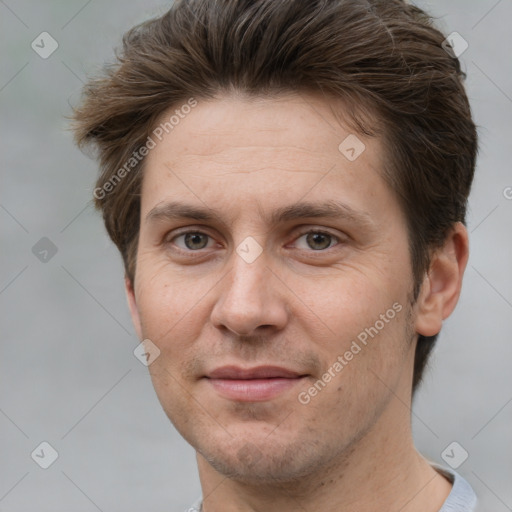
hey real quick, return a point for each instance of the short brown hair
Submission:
(384, 56)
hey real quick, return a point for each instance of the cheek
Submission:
(169, 310)
(361, 327)
(362, 369)
(350, 299)
(167, 303)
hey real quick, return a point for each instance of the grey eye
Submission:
(317, 240)
(194, 240)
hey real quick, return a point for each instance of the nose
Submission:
(251, 298)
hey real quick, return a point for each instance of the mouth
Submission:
(253, 384)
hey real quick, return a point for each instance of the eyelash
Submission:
(301, 234)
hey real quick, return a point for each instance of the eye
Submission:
(192, 240)
(317, 240)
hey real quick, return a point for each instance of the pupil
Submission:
(313, 238)
(193, 238)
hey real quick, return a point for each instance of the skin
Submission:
(300, 304)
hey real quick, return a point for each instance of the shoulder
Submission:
(197, 506)
(462, 498)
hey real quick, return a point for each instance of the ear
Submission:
(441, 287)
(132, 304)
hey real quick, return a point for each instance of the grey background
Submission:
(68, 374)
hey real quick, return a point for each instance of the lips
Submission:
(260, 372)
(257, 384)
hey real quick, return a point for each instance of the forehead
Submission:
(236, 151)
(292, 122)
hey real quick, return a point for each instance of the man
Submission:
(287, 185)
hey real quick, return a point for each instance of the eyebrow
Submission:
(176, 210)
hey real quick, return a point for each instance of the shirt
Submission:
(462, 498)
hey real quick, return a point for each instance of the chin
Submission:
(270, 463)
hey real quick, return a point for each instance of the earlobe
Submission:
(441, 287)
(132, 305)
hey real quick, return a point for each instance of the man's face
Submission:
(251, 288)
